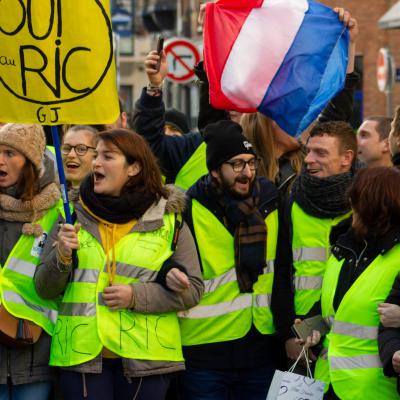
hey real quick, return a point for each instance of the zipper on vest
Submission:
(84, 387)
(362, 253)
(9, 379)
(357, 259)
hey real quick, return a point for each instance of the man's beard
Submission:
(229, 188)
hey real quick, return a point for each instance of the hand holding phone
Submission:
(160, 47)
(305, 328)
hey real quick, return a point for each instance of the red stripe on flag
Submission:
(223, 23)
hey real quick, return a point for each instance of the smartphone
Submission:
(305, 328)
(160, 47)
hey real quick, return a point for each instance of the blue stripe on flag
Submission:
(312, 72)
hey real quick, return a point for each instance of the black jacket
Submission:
(172, 152)
(340, 108)
(254, 349)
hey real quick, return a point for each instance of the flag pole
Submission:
(61, 174)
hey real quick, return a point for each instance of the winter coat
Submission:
(150, 297)
(28, 364)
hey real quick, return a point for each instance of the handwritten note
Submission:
(291, 386)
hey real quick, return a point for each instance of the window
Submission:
(122, 17)
(125, 94)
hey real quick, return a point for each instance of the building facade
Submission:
(145, 14)
(371, 39)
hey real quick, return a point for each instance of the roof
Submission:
(391, 19)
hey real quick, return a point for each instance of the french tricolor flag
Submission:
(284, 58)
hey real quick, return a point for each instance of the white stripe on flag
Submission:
(259, 50)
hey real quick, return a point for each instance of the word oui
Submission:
(55, 69)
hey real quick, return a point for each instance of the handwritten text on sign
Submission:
(56, 62)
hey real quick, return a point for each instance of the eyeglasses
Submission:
(80, 149)
(240, 165)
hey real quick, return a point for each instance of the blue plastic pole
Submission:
(61, 175)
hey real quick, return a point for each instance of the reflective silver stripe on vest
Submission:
(135, 272)
(230, 276)
(270, 267)
(310, 254)
(307, 282)
(78, 309)
(355, 362)
(14, 297)
(215, 310)
(354, 330)
(22, 267)
(262, 300)
(100, 300)
(85, 275)
(212, 284)
(329, 320)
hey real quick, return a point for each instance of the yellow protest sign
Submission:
(56, 62)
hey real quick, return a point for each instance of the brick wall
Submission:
(371, 38)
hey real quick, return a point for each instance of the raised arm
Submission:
(148, 120)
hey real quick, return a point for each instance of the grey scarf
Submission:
(322, 197)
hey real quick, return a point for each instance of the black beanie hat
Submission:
(177, 120)
(224, 140)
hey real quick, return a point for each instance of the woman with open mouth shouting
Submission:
(117, 328)
(29, 207)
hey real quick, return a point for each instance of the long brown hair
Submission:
(375, 199)
(135, 148)
(260, 132)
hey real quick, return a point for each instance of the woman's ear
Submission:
(134, 169)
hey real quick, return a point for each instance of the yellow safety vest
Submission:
(193, 169)
(85, 324)
(17, 288)
(355, 369)
(310, 248)
(224, 313)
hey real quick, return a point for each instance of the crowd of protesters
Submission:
(192, 254)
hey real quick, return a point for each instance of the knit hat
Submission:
(224, 140)
(29, 140)
(177, 120)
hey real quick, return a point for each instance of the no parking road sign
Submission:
(182, 55)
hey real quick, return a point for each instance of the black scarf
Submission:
(116, 210)
(322, 197)
(250, 233)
